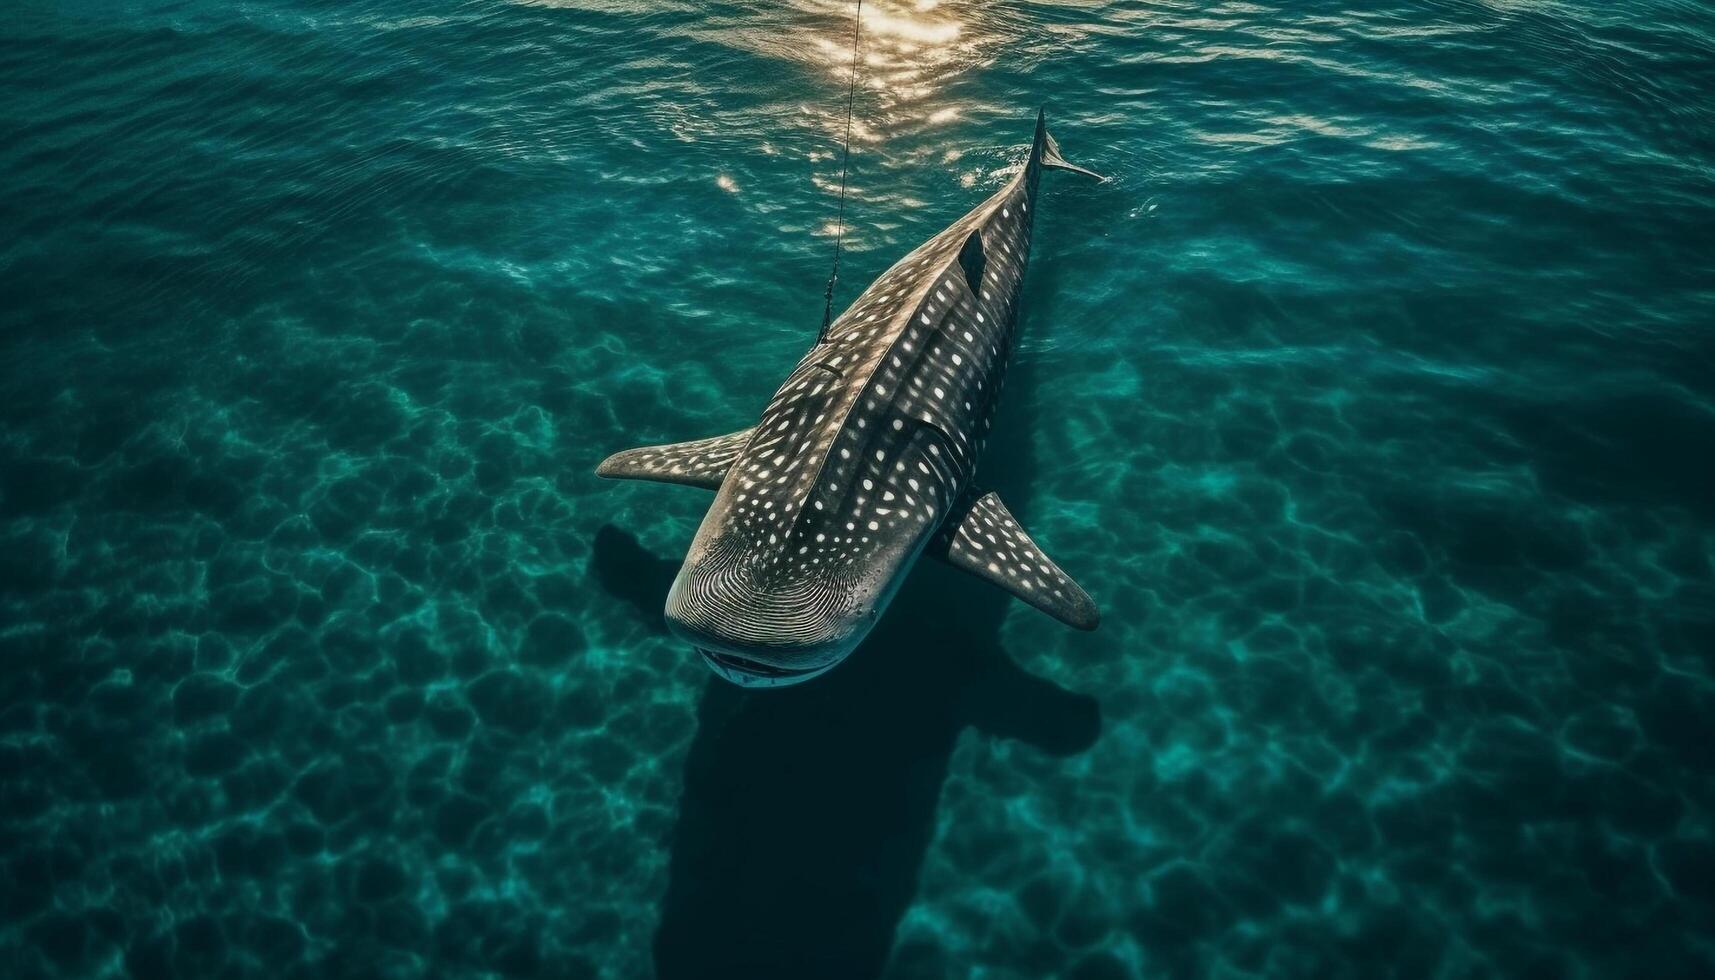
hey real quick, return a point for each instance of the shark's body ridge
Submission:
(864, 459)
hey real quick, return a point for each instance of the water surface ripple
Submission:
(1373, 398)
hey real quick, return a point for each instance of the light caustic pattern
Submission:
(1371, 399)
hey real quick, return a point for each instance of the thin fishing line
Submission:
(845, 162)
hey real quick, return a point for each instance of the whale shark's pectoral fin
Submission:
(699, 463)
(988, 543)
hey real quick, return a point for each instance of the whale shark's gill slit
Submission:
(972, 261)
(927, 433)
(933, 447)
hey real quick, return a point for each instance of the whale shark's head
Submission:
(758, 622)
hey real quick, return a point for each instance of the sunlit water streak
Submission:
(1373, 398)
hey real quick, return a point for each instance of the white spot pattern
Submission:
(881, 425)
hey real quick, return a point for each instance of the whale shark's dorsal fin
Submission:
(987, 542)
(972, 261)
(700, 463)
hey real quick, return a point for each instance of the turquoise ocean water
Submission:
(1373, 398)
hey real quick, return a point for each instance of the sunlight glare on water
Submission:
(1372, 398)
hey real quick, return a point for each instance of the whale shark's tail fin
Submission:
(1045, 151)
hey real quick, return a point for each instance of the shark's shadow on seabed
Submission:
(807, 810)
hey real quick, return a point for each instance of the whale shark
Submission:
(864, 460)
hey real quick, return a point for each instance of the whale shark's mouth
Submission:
(750, 673)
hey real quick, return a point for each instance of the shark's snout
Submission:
(761, 631)
(749, 663)
(746, 672)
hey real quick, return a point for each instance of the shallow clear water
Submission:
(1373, 399)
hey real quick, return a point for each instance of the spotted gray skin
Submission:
(863, 460)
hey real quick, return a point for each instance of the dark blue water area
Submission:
(1372, 398)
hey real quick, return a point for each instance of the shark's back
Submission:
(872, 434)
